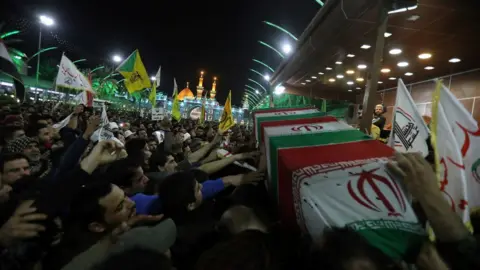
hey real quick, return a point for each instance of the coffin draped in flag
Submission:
(467, 134)
(8, 68)
(70, 77)
(409, 132)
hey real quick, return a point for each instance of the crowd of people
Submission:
(159, 196)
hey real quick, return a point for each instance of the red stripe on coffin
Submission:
(290, 160)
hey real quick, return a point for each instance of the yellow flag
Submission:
(153, 95)
(176, 102)
(202, 114)
(134, 72)
(226, 121)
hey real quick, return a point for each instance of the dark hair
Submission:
(159, 158)
(136, 258)
(10, 157)
(9, 130)
(85, 207)
(176, 192)
(121, 171)
(248, 250)
(33, 129)
(342, 245)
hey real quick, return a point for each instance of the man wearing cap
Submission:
(30, 148)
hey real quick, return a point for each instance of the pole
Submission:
(370, 97)
(38, 62)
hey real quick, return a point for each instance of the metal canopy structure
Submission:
(328, 54)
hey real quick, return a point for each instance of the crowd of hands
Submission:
(418, 176)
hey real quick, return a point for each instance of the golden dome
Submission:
(185, 93)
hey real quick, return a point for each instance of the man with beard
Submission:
(29, 147)
(378, 118)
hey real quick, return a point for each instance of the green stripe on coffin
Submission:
(305, 140)
(346, 184)
(297, 115)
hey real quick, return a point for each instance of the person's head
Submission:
(13, 167)
(128, 175)
(164, 162)
(152, 144)
(142, 133)
(379, 109)
(179, 193)
(27, 146)
(42, 132)
(13, 132)
(100, 207)
(136, 258)
(345, 249)
(249, 250)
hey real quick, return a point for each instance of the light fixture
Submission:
(385, 70)
(380, 82)
(338, 63)
(392, 78)
(303, 83)
(321, 73)
(349, 90)
(429, 68)
(266, 77)
(350, 82)
(350, 72)
(117, 58)
(402, 64)
(425, 55)
(307, 80)
(152, 78)
(454, 60)
(358, 88)
(362, 66)
(279, 89)
(328, 68)
(408, 74)
(365, 46)
(387, 34)
(402, 6)
(47, 21)
(395, 51)
(350, 55)
(340, 76)
(314, 77)
(360, 79)
(287, 48)
(331, 80)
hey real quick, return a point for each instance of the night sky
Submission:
(184, 37)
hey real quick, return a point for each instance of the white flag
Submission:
(467, 134)
(104, 116)
(70, 77)
(175, 87)
(81, 98)
(62, 123)
(157, 76)
(409, 132)
(452, 180)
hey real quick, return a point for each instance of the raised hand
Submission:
(21, 224)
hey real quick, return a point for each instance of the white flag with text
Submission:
(70, 77)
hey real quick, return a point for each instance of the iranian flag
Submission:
(8, 68)
(278, 116)
(270, 111)
(339, 184)
(311, 120)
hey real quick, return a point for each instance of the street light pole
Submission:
(38, 62)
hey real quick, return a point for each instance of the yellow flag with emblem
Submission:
(176, 102)
(153, 95)
(202, 114)
(134, 72)
(226, 121)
